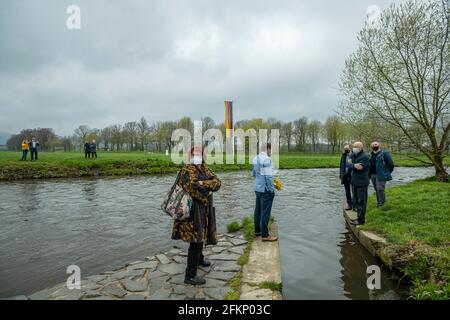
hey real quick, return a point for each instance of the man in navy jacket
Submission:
(381, 167)
(359, 164)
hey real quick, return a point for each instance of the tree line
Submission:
(301, 135)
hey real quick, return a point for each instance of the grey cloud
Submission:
(167, 59)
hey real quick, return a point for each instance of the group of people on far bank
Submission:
(358, 169)
(30, 146)
(90, 149)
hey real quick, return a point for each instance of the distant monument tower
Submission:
(229, 118)
(229, 131)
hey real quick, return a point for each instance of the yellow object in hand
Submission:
(277, 183)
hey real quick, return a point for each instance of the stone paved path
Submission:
(158, 277)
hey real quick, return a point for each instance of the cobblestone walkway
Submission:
(158, 277)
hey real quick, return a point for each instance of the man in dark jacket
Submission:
(381, 167)
(87, 150)
(346, 176)
(359, 164)
(93, 149)
(34, 144)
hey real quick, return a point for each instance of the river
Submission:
(102, 223)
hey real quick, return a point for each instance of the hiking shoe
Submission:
(195, 281)
(270, 238)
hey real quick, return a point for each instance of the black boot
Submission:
(205, 263)
(195, 281)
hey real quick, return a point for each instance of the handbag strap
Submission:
(175, 183)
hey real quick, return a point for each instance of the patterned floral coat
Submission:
(201, 225)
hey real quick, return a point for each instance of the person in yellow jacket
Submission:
(25, 148)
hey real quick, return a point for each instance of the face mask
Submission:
(356, 150)
(196, 160)
(346, 151)
(375, 148)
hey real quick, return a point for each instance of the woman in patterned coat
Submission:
(200, 229)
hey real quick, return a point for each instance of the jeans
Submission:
(379, 187)
(348, 193)
(194, 259)
(34, 154)
(24, 154)
(360, 200)
(263, 207)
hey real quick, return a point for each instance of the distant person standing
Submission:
(25, 148)
(265, 192)
(34, 144)
(345, 175)
(359, 164)
(87, 149)
(93, 148)
(381, 167)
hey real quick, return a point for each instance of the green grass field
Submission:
(72, 164)
(416, 221)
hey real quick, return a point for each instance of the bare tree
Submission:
(401, 72)
(334, 131)
(299, 133)
(82, 133)
(130, 134)
(287, 132)
(105, 136)
(144, 132)
(116, 137)
(313, 130)
(207, 123)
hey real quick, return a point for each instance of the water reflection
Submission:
(89, 190)
(354, 261)
(28, 200)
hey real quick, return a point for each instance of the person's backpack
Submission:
(177, 203)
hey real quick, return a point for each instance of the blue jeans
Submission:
(263, 207)
(24, 155)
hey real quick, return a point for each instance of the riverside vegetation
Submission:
(72, 164)
(416, 224)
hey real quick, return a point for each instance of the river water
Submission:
(102, 223)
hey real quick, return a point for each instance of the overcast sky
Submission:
(168, 59)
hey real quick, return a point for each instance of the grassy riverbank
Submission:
(71, 164)
(416, 223)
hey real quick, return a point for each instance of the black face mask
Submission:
(376, 148)
(346, 151)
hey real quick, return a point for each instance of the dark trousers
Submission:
(348, 193)
(379, 187)
(94, 153)
(24, 154)
(360, 199)
(34, 154)
(263, 207)
(87, 154)
(194, 259)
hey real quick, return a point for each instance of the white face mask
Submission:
(356, 150)
(196, 159)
